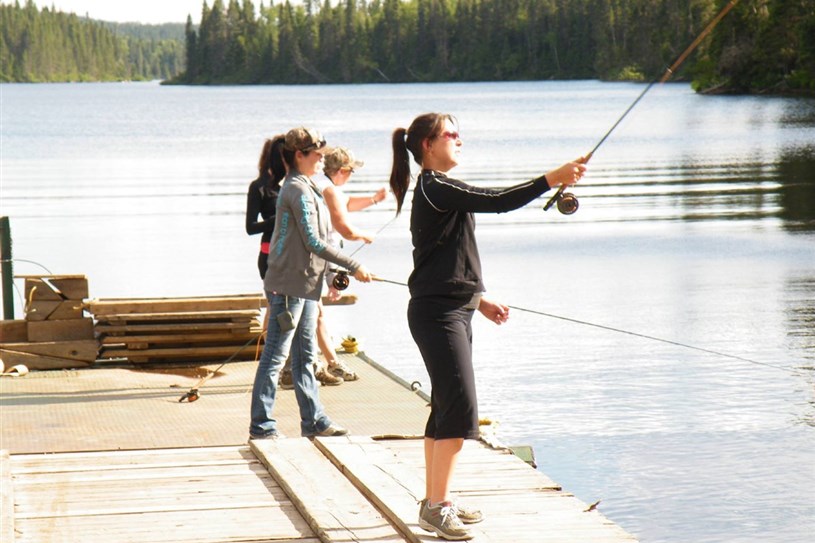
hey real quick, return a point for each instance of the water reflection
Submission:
(796, 171)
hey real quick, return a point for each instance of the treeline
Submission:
(763, 44)
(49, 46)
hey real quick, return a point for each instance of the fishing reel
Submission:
(341, 280)
(567, 202)
(190, 396)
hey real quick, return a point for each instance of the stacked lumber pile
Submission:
(178, 329)
(55, 334)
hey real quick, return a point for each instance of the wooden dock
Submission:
(110, 455)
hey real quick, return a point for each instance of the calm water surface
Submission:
(696, 226)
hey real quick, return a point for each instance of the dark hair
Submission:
(272, 164)
(424, 126)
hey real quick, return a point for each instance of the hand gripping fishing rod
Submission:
(567, 202)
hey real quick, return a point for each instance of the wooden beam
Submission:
(60, 330)
(37, 289)
(72, 288)
(13, 331)
(135, 318)
(216, 337)
(40, 362)
(181, 327)
(40, 310)
(85, 349)
(6, 498)
(331, 505)
(215, 351)
(113, 306)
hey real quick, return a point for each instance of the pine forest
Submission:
(761, 46)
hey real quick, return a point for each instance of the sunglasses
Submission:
(450, 135)
(347, 169)
(314, 146)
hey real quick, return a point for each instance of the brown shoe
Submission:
(285, 380)
(327, 379)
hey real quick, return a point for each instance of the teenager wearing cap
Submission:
(445, 290)
(299, 254)
(339, 165)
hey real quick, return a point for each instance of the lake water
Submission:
(696, 227)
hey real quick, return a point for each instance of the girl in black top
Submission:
(262, 197)
(446, 288)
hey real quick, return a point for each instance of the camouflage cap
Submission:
(305, 140)
(338, 158)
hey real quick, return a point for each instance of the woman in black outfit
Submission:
(445, 290)
(261, 200)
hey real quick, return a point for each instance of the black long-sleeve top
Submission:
(261, 199)
(442, 223)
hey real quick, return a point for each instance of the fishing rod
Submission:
(628, 332)
(567, 202)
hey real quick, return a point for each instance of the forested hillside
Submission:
(763, 45)
(46, 46)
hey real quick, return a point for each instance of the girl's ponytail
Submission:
(423, 127)
(400, 171)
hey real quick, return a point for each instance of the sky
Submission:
(127, 11)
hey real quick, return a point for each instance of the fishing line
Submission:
(358, 249)
(628, 332)
(16, 288)
(27, 262)
(193, 394)
(569, 202)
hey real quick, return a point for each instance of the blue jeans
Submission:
(301, 344)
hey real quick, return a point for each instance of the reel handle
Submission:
(554, 197)
(341, 280)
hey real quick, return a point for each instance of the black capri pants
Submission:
(442, 329)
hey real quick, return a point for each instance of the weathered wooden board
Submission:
(213, 351)
(199, 316)
(37, 289)
(40, 310)
(180, 327)
(114, 306)
(237, 336)
(6, 499)
(40, 362)
(186, 495)
(85, 349)
(331, 505)
(60, 330)
(520, 504)
(13, 331)
(71, 288)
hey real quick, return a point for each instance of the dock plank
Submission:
(209, 495)
(518, 507)
(6, 498)
(336, 511)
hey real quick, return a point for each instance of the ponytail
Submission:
(424, 126)
(400, 172)
(272, 166)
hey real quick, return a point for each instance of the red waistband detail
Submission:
(264, 247)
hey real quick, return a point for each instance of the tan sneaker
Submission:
(467, 515)
(327, 379)
(340, 369)
(443, 520)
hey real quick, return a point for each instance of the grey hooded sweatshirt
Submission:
(300, 251)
